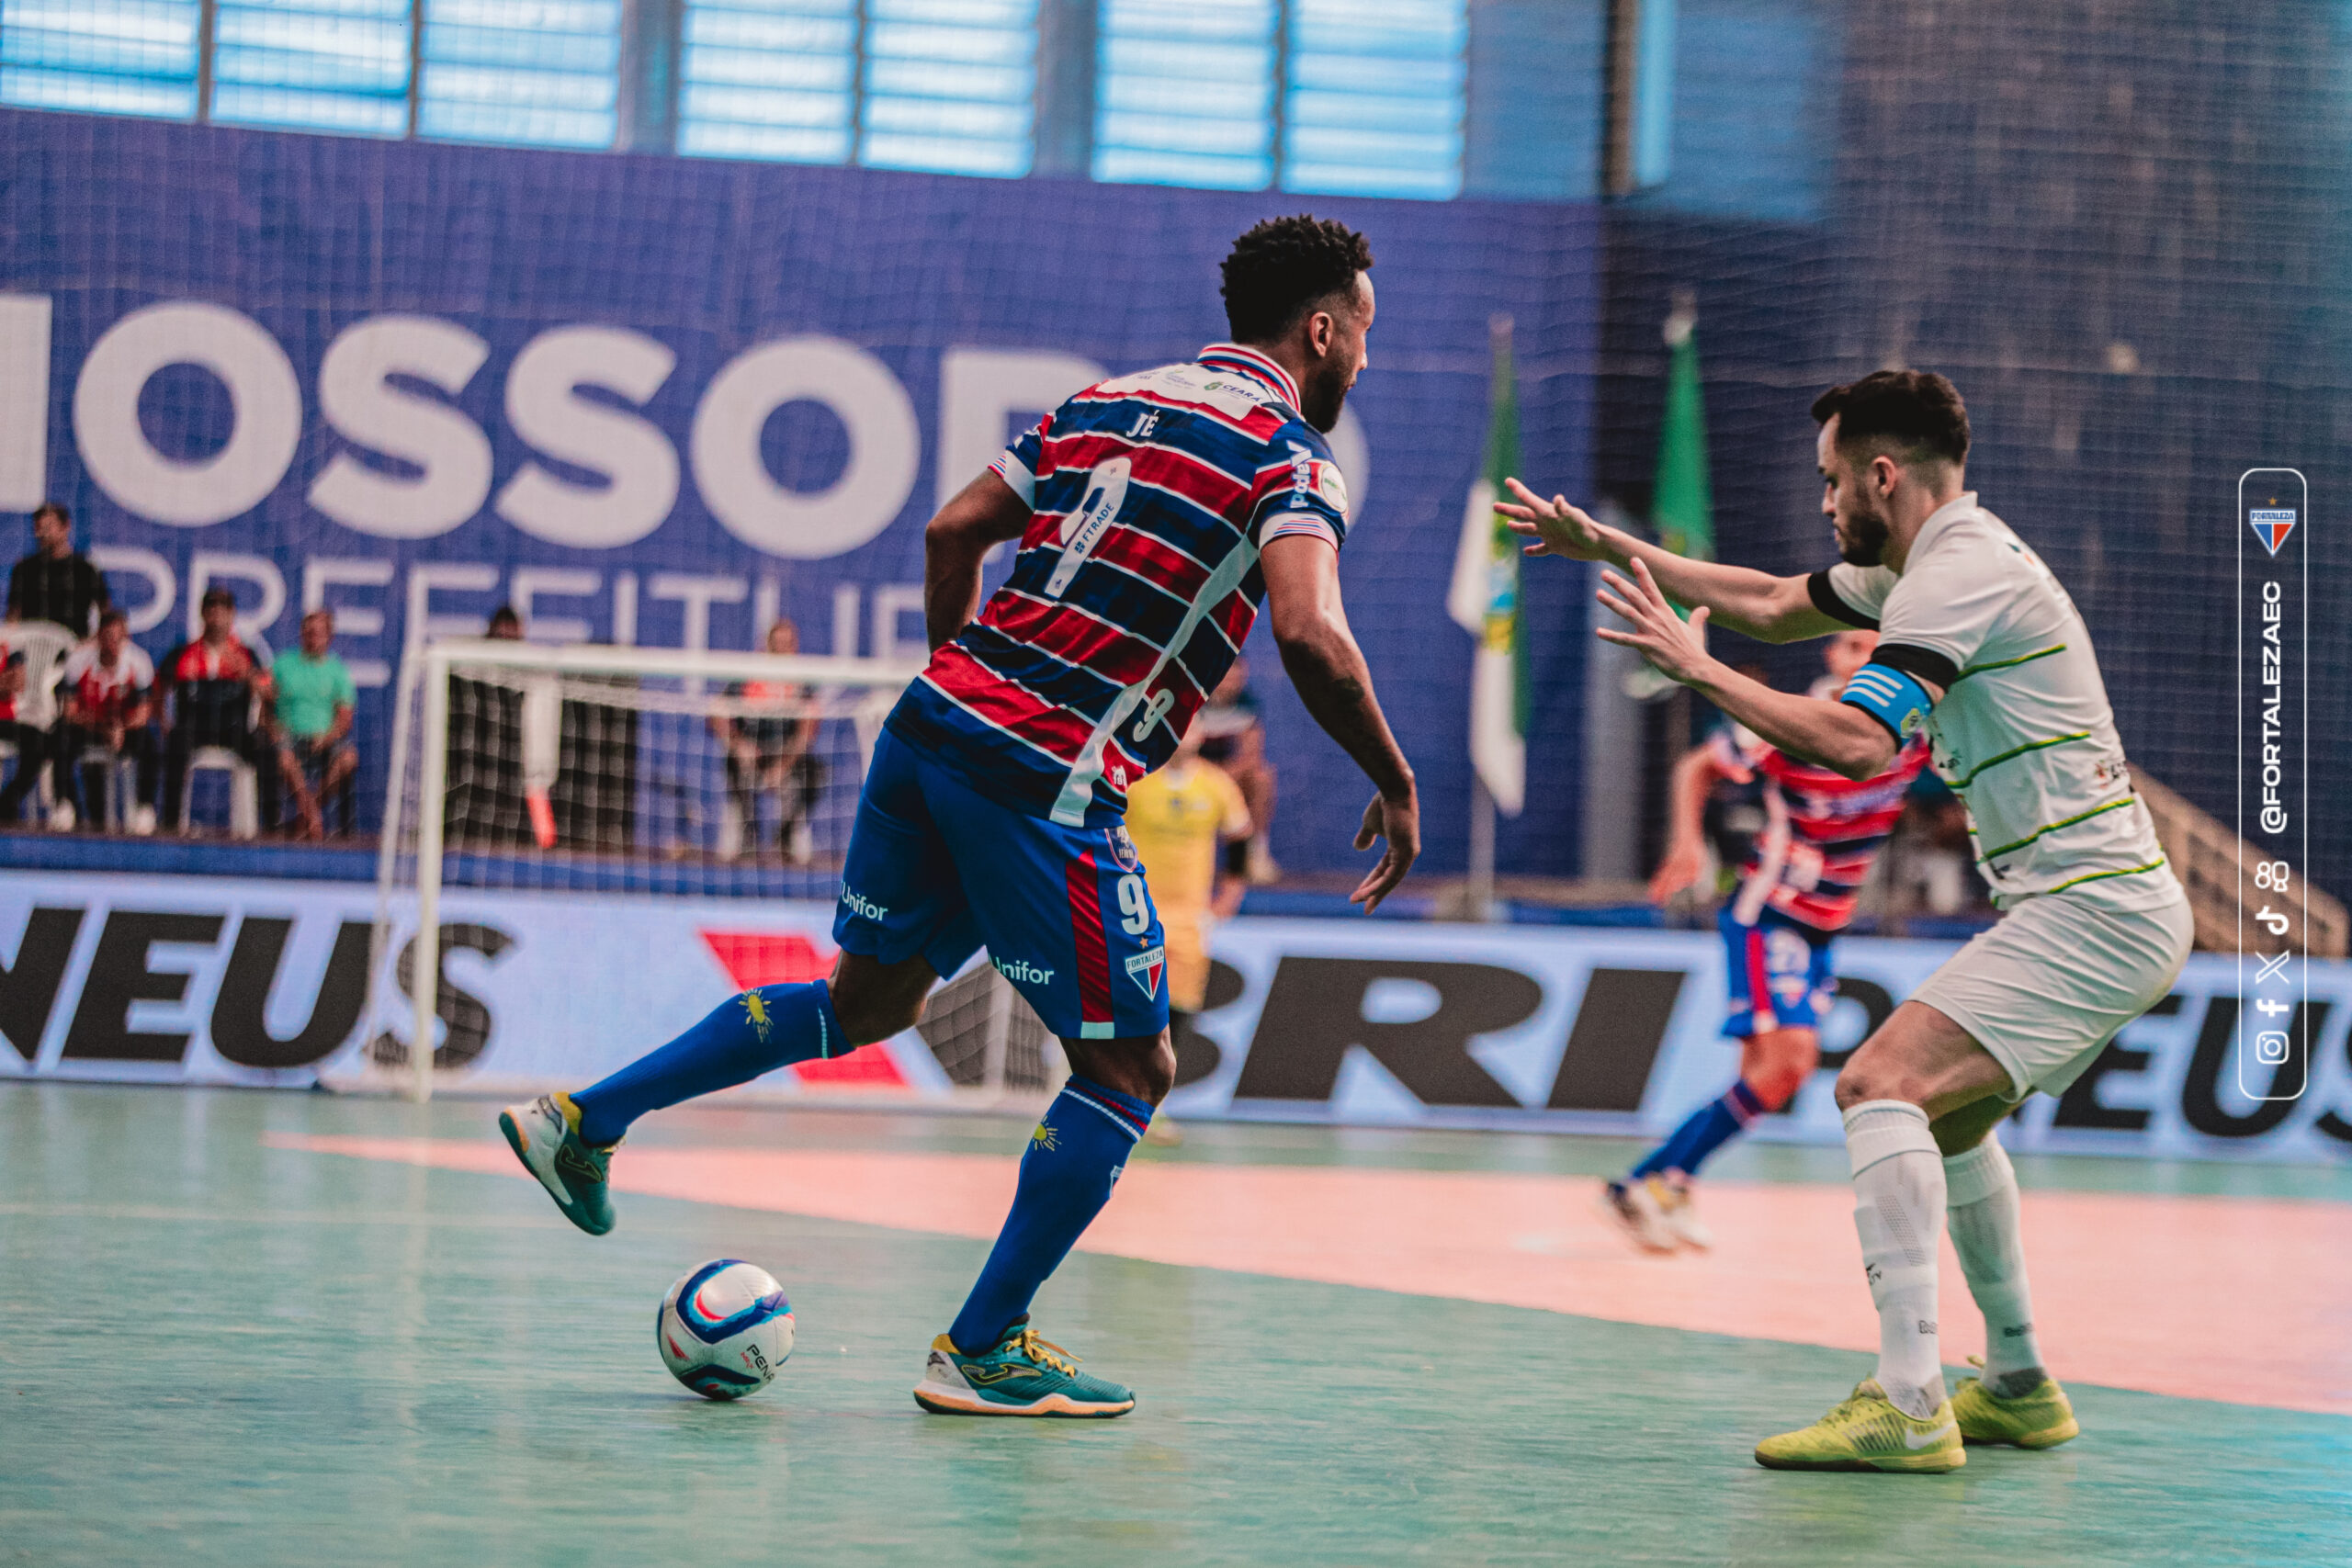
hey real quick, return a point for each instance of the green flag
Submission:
(1681, 503)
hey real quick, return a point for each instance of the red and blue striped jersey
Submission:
(1822, 829)
(1136, 582)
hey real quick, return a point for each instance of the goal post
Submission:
(709, 781)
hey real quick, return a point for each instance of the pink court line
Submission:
(2236, 1299)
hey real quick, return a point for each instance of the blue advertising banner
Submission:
(661, 401)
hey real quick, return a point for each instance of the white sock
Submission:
(1981, 1190)
(1899, 1212)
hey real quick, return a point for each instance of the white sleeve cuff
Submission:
(1015, 473)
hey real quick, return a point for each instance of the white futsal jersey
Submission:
(2023, 734)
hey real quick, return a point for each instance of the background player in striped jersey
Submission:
(1822, 831)
(1155, 512)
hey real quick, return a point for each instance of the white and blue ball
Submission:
(725, 1328)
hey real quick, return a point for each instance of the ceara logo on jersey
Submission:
(1145, 969)
(860, 904)
(1020, 971)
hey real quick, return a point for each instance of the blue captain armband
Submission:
(1892, 696)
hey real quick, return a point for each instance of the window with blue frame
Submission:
(313, 64)
(768, 79)
(1355, 96)
(1184, 92)
(1373, 96)
(942, 84)
(950, 86)
(101, 56)
(533, 73)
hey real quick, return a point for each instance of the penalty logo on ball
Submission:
(724, 1328)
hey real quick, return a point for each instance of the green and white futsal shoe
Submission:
(545, 1135)
(1679, 1208)
(1637, 1206)
(2039, 1417)
(1868, 1432)
(1022, 1375)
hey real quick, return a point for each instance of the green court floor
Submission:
(220, 1352)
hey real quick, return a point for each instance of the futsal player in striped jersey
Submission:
(1822, 833)
(1155, 512)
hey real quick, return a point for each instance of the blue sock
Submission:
(744, 1036)
(1074, 1158)
(1709, 1128)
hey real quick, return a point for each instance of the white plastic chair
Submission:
(244, 788)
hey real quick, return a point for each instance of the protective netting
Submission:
(2120, 230)
(987, 1037)
(624, 783)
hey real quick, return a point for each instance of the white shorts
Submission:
(2048, 987)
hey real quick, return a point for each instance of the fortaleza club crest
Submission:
(1122, 848)
(1145, 969)
(2271, 525)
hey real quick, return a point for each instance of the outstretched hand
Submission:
(1676, 649)
(1399, 822)
(1557, 528)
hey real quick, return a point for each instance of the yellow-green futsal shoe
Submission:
(1866, 1432)
(2041, 1417)
(1020, 1376)
(545, 1135)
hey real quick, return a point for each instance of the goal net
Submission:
(611, 841)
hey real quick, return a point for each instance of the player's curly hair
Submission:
(1281, 267)
(1916, 412)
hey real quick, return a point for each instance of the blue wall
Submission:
(308, 235)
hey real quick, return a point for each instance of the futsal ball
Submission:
(724, 1328)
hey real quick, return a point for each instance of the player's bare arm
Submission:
(1327, 667)
(1833, 734)
(1686, 854)
(982, 515)
(1756, 604)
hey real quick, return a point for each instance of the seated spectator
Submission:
(313, 706)
(212, 684)
(19, 730)
(56, 583)
(1233, 736)
(770, 754)
(109, 685)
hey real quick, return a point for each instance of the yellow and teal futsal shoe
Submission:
(1024, 1375)
(2041, 1417)
(1866, 1432)
(545, 1135)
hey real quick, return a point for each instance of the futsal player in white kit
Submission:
(1979, 646)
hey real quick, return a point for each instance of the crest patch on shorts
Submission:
(1145, 968)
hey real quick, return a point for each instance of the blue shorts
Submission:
(937, 869)
(1777, 973)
